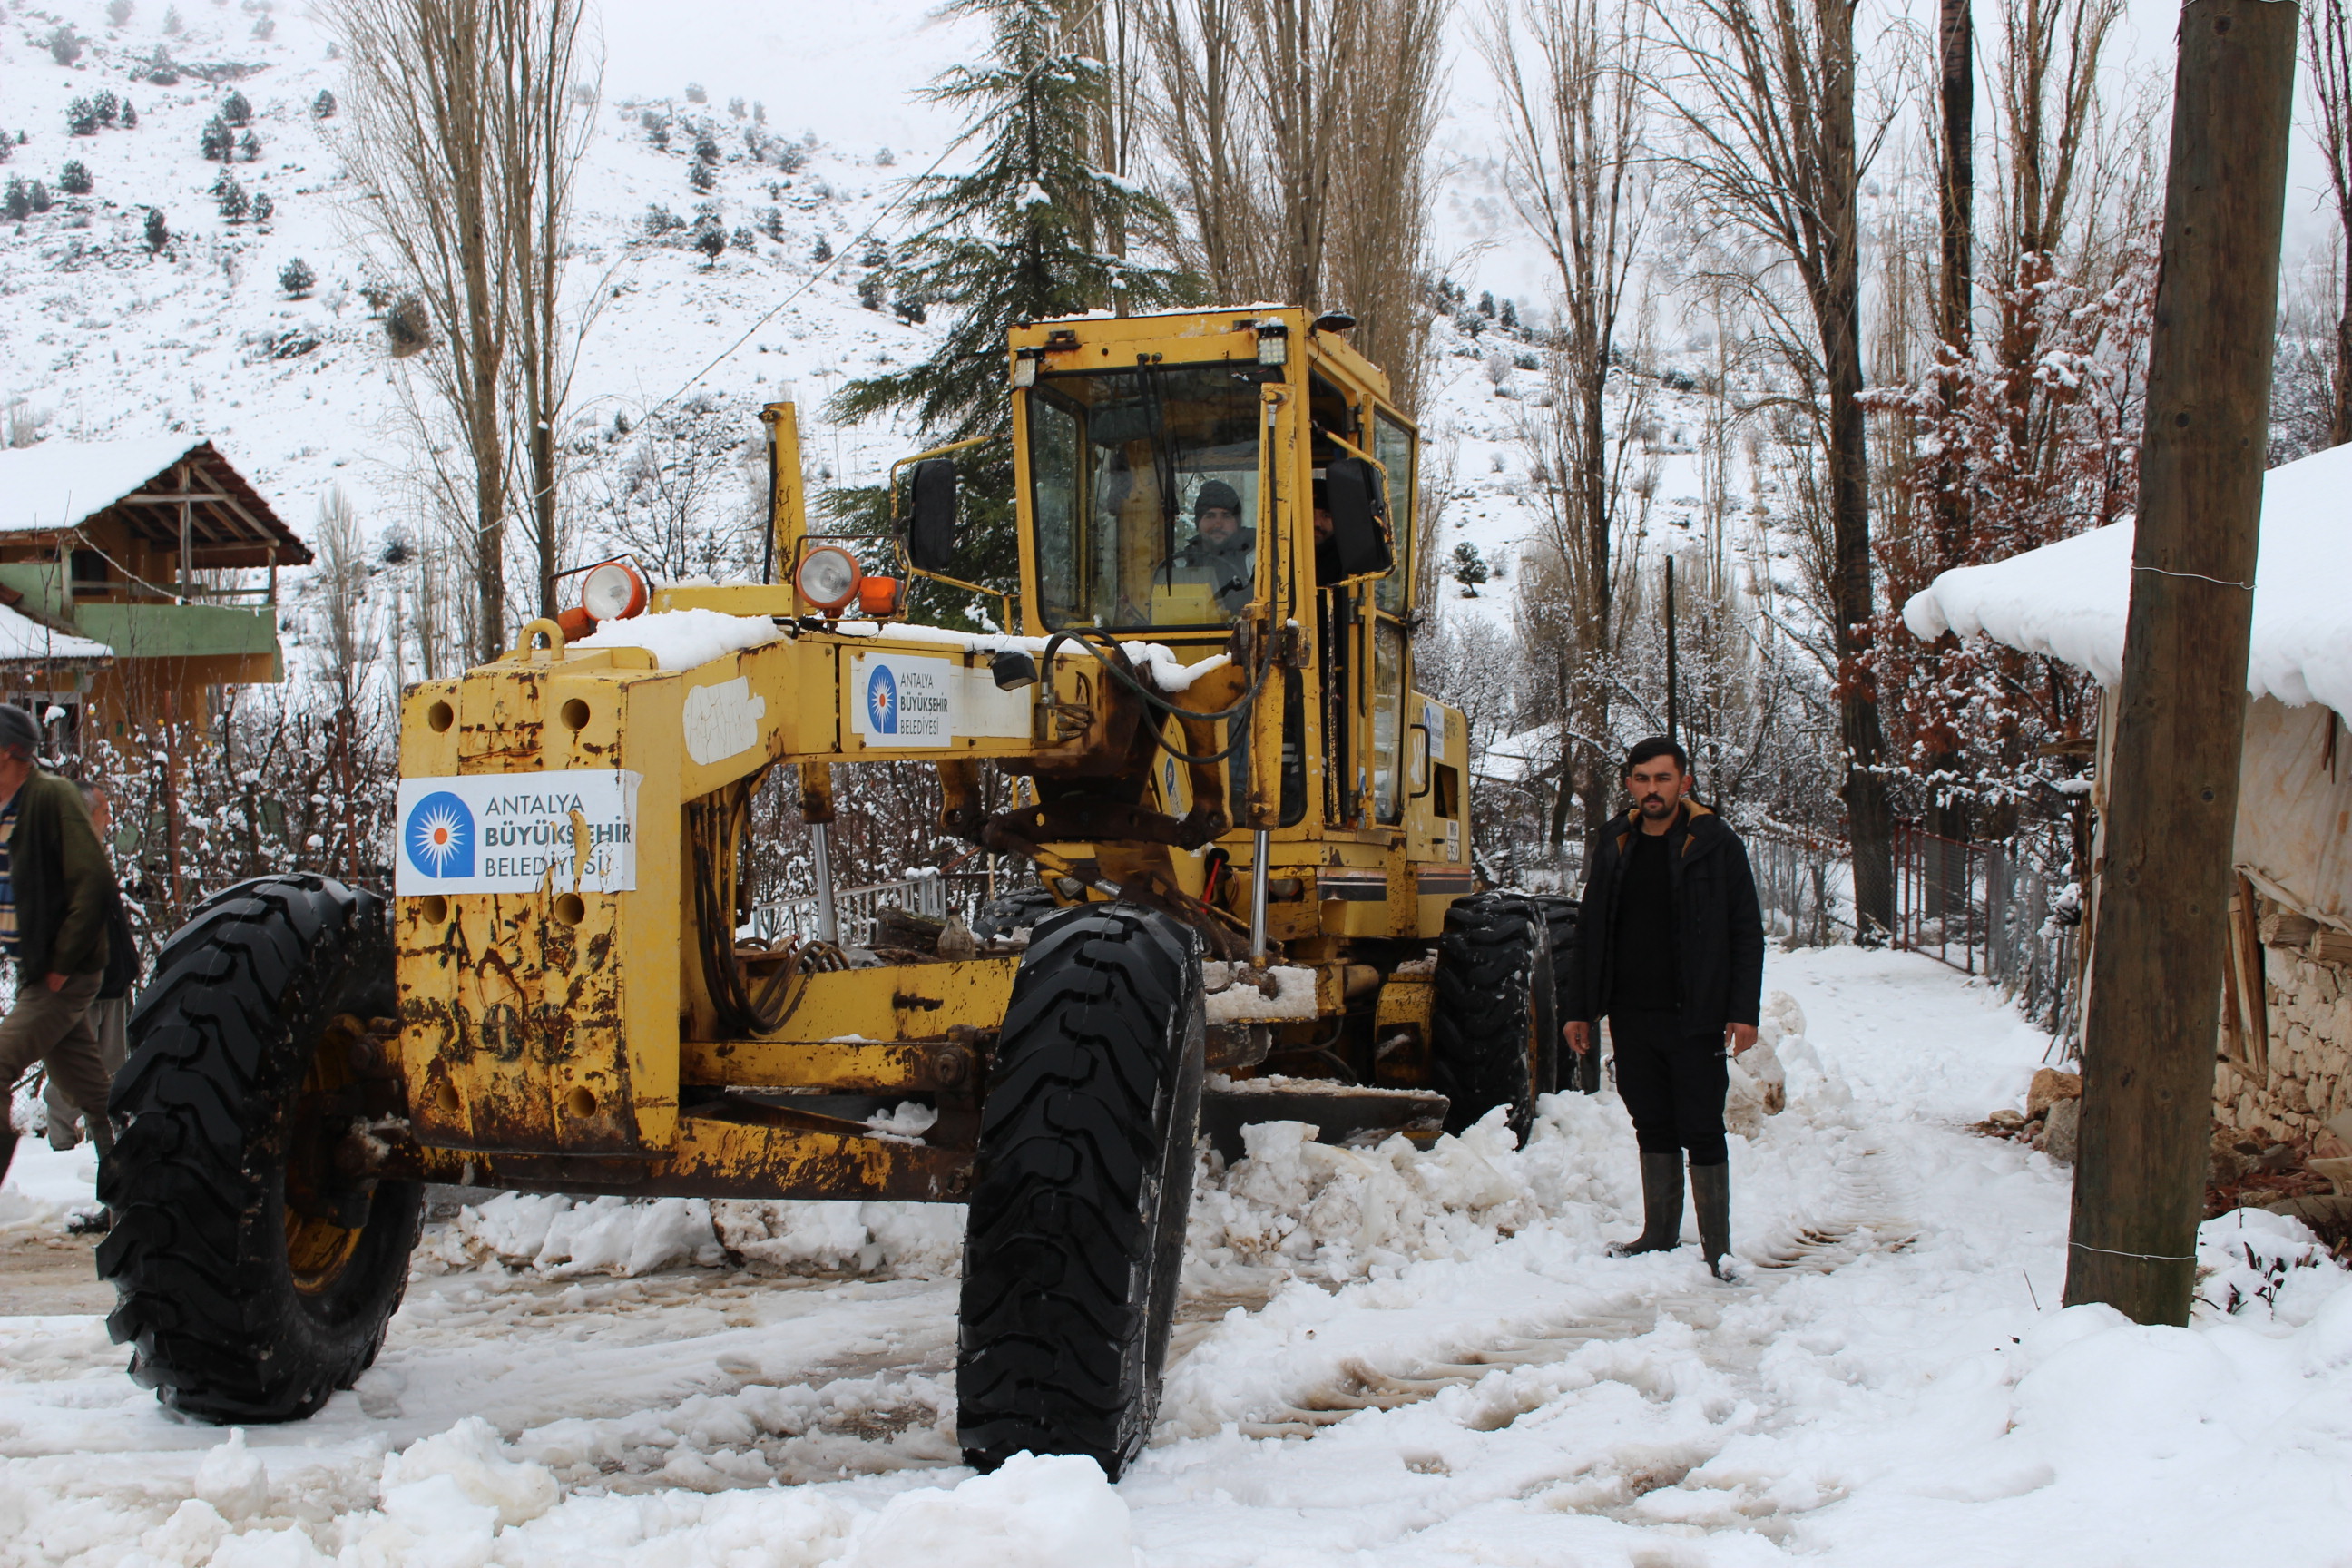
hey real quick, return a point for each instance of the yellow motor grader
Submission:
(1254, 900)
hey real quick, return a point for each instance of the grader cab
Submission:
(1254, 900)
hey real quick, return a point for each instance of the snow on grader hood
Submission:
(1219, 760)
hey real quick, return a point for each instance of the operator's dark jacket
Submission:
(1718, 926)
(62, 886)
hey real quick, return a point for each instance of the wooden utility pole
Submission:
(2172, 792)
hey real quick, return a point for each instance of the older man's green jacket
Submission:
(60, 881)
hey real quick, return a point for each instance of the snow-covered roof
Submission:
(52, 486)
(23, 640)
(2069, 599)
(57, 484)
(1522, 758)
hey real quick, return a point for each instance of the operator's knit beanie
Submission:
(18, 729)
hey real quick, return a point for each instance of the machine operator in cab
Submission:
(1220, 546)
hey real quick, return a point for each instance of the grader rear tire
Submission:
(1494, 1029)
(1581, 1073)
(1075, 1238)
(252, 1279)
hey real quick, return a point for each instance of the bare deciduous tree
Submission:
(1295, 137)
(2327, 58)
(1768, 98)
(1575, 141)
(463, 134)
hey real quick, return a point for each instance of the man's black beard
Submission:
(1665, 807)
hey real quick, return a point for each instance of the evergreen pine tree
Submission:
(235, 109)
(1018, 238)
(1468, 568)
(159, 233)
(74, 178)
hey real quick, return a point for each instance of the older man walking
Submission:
(54, 891)
(1670, 950)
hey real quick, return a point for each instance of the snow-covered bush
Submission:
(216, 141)
(74, 178)
(157, 232)
(296, 278)
(118, 12)
(407, 328)
(236, 109)
(64, 47)
(323, 106)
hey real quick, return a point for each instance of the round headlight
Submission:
(612, 592)
(828, 577)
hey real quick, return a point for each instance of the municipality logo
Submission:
(439, 836)
(882, 701)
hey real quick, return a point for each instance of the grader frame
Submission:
(1217, 744)
(566, 1037)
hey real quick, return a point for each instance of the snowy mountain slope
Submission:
(100, 338)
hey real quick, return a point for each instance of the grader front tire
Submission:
(252, 1279)
(1076, 1229)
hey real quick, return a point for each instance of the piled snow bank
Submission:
(1032, 1514)
(892, 1240)
(462, 1499)
(562, 1236)
(1327, 1214)
(559, 1236)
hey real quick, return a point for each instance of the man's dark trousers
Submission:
(1673, 1084)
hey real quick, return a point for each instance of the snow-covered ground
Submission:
(1902, 1388)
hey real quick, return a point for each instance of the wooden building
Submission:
(2283, 1041)
(157, 553)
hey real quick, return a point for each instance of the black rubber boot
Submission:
(1662, 1206)
(1711, 1195)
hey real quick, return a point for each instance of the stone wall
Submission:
(2308, 1003)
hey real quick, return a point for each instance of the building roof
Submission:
(52, 487)
(2069, 599)
(24, 641)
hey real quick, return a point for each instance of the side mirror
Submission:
(1359, 529)
(931, 515)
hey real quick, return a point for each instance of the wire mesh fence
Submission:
(936, 894)
(1800, 879)
(1985, 909)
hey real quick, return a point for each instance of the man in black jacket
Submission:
(1670, 950)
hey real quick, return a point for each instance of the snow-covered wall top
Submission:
(2069, 599)
(26, 640)
(57, 484)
